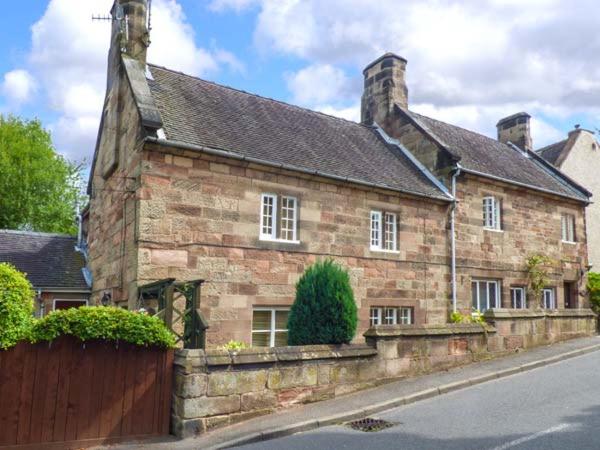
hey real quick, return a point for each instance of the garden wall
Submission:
(214, 388)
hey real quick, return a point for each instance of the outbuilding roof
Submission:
(49, 260)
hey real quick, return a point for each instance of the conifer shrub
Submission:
(16, 306)
(324, 311)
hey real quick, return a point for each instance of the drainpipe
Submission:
(453, 235)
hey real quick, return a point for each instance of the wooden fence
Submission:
(68, 394)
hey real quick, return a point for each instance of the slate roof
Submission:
(488, 156)
(49, 260)
(200, 113)
(552, 152)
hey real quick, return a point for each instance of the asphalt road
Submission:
(556, 407)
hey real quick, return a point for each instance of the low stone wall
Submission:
(525, 328)
(216, 387)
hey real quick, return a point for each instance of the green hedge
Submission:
(324, 311)
(105, 323)
(16, 306)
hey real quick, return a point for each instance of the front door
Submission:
(569, 290)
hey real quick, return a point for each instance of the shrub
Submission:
(324, 311)
(16, 306)
(234, 346)
(106, 323)
(593, 286)
(475, 317)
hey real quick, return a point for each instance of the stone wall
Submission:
(215, 388)
(531, 224)
(199, 218)
(530, 328)
(113, 211)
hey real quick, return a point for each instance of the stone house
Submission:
(194, 180)
(54, 265)
(577, 157)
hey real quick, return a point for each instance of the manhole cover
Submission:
(369, 425)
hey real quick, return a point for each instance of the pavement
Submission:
(387, 397)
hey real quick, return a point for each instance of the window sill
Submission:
(380, 250)
(279, 241)
(493, 229)
(569, 242)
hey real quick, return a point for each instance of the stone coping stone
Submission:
(505, 313)
(427, 330)
(260, 355)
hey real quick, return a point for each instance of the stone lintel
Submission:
(390, 331)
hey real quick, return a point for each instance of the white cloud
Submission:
(350, 113)
(69, 54)
(18, 86)
(236, 5)
(472, 62)
(318, 83)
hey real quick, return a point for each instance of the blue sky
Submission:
(470, 63)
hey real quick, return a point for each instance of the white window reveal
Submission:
(269, 327)
(549, 298)
(517, 295)
(568, 227)
(491, 213)
(384, 231)
(485, 294)
(279, 218)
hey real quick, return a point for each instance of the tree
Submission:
(324, 311)
(39, 189)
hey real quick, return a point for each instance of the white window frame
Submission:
(377, 318)
(393, 223)
(405, 316)
(376, 230)
(85, 300)
(492, 213)
(294, 219)
(390, 315)
(379, 242)
(487, 282)
(272, 330)
(549, 293)
(567, 228)
(513, 299)
(272, 236)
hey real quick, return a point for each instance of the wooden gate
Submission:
(70, 394)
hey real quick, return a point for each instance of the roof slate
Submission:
(201, 113)
(552, 152)
(488, 156)
(49, 260)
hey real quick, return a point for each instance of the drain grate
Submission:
(369, 425)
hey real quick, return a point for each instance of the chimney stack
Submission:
(384, 86)
(516, 129)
